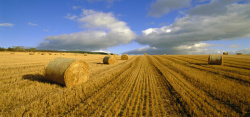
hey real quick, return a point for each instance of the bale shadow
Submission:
(38, 78)
(102, 64)
(200, 63)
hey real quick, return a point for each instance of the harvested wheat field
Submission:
(153, 85)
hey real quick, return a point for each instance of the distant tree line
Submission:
(18, 49)
(23, 49)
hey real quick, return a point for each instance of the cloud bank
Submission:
(188, 35)
(197, 48)
(161, 7)
(101, 30)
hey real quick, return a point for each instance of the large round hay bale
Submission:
(215, 60)
(32, 53)
(67, 72)
(12, 53)
(110, 60)
(124, 57)
(145, 53)
(225, 53)
(239, 53)
(43, 54)
(85, 54)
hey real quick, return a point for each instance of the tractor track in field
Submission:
(206, 87)
(240, 77)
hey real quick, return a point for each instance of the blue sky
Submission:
(128, 26)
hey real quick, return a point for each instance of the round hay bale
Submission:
(85, 54)
(12, 53)
(215, 60)
(145, 54)
(67, 72)
(124, 57)
(225, 53)
(239, 53)
(43, 54)
(110, 60)
(32, 53)
(164, 54)
(50, 53)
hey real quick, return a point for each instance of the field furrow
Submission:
(220, 89)
(241, 76)
(195, 100)
(105, 96)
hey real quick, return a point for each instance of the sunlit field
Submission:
(146, 85)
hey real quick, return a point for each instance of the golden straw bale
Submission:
(239, 53)
(110, 60)
(32, 53)
(225, 53)
(12, 53)
(85, 54)
(43, 54)
(215, 60)
(124, 57)
(145, 53)
(67, 72)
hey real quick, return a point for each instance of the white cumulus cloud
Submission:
(162, 7)
(6, 24)
(215, 7)
(197, 48)
(192, 31)
(71, 17)
(32, 24)
(101, 30)
(105, 51)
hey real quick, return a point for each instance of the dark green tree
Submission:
(2, 49)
